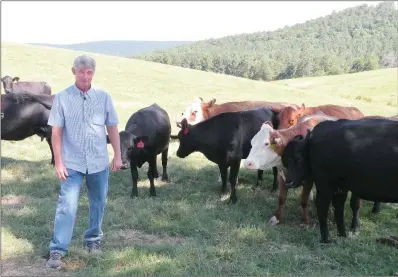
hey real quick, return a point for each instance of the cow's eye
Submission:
(266, 144)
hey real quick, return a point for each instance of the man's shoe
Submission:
(94, 247)
(55, 260)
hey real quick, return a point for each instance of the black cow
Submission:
(24, 115)
(225, 139)
(147, 134)
(11, 85)
(360, 156)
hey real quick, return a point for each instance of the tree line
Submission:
(353, 40)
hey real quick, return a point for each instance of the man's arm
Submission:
(56, 141)
(111, 122)
(113, 134)
(57, 121)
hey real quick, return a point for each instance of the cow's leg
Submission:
(322, 202)
(233, 177)
(376, 207)
(281, 202)
(152, 172)
(355, 204)
(338, 202)
(305, 196)
(134, 177)
(52, 151)
(223, 174)
(275, 182)
(165, 176)
(259, 181)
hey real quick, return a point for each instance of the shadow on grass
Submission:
(35, 185)
(185, 221)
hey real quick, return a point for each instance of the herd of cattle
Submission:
(337, 148)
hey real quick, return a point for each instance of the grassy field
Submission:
(186, 229)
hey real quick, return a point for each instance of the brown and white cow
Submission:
(198, 110)
(267, 148)
(12, 85)
(290, 115)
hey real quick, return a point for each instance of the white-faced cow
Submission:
(12, 85)
(360, 156)
(225, 140)
(267, 147)
(146, 135)
(24, 115)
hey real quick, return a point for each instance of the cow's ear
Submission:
(268, 123)
(15, 79)
(301, 111)
(211, 102)
(184, 124)
(140, 141)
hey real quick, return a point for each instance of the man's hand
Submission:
(116, 163)
(61, 171)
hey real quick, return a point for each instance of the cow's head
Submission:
(289, 116)
(132, 149)
(196, 111)
(261, 155)
(187, 140)
(295, 159)
(7, 83)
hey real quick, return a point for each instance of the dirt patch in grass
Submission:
(133, 236)
(12, 200)
(35, 267)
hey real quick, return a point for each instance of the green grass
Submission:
(186, 229)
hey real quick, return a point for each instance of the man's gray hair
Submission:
(85, 61)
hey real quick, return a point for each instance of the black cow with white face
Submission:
(147, 134)
(360, 156)
(225, 139)
(24, 115)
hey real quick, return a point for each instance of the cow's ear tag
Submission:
(273, 146)
(186, 131)
(140, 144)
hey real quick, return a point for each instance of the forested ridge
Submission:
(355, 39)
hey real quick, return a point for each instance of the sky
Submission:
(77, 21)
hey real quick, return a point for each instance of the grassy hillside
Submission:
(186, 230)
(121, 48)
(356, 39)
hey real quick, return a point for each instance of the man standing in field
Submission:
(79, 115)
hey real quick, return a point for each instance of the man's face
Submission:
(83, 76)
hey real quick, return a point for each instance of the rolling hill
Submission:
(186, 230)
(121, 48)
(353, 40)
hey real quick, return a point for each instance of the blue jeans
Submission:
(97, 188)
